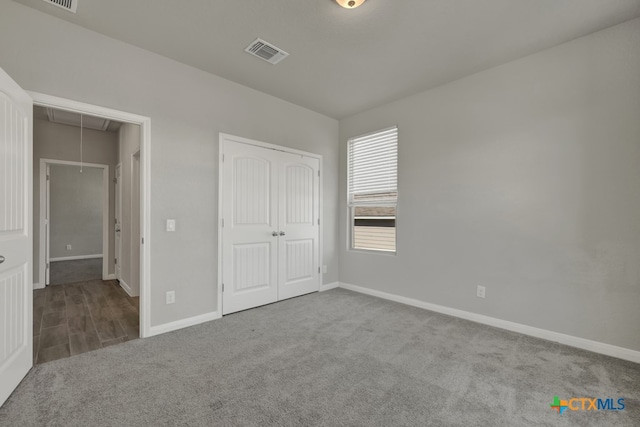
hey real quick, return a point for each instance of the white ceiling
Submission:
(346, 61)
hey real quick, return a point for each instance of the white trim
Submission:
(117, 250)
(321, 218)
(110, 277)
(220, 218)
(145, 186)
(38, 286)
(267, 145)
(44, 208)
(329, 286)
(582, 343)
(126, 287)
(225, 136)
(134, 240)
(183, 323)
(49, 101)
(75, 258)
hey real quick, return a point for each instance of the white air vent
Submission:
(68, 5)
(266, 51)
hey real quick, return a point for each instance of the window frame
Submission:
(351, 207)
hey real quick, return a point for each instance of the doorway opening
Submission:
(114, 306)
(74, 219)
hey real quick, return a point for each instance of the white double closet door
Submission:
(270, 233)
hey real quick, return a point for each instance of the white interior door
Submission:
(270, 234)
(16, 341)
(299, 219)
(250, 232)
(118, 225)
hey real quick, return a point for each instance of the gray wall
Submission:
(75, 209)
(188, 109)
(129, 137)
(61, 142)
(525, 179)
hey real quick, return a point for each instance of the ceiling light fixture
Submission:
(350, 4)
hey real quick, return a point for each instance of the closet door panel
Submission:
(299, 223)
(250, 251)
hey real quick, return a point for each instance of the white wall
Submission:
(61, 142)
(188, 109)
(525, 179)
(75, 209)
(129, 137)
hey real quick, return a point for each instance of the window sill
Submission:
(373, 251)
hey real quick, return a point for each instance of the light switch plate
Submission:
(171, 297)
(171, 225)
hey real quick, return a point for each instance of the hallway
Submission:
(78, 317)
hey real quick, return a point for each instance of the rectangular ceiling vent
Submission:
(266, 51)
(68, 5)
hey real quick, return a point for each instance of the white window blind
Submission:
(373, 168)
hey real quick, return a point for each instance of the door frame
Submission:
(48, 101)
(45, 203)
(224, 136)
(134, 189)
(117, 240)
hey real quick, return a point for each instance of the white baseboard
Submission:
(127, 288)
(38, 286)
(329, 286)
(110, 277)
(184, 323)
(582, 343)
(75, 258)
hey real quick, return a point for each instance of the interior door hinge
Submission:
(318, 173)
(223, 287)
(115, 180)
(48, 177)
(223, 158)
(143, 240)
(223, 222)
(115, 261)
(318, 221)
(318, 270)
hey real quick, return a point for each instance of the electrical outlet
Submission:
(171, 225)
(324, 269)
(171, 297)
(480, 291)
(68, 247)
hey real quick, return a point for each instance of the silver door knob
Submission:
(1, 259)
(282, 233)
(274, 234)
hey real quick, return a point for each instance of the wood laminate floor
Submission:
(79, 270)
(78, 317)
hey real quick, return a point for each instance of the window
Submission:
(373, 190)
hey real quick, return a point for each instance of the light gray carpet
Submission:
(81, 270)
(333, 359)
